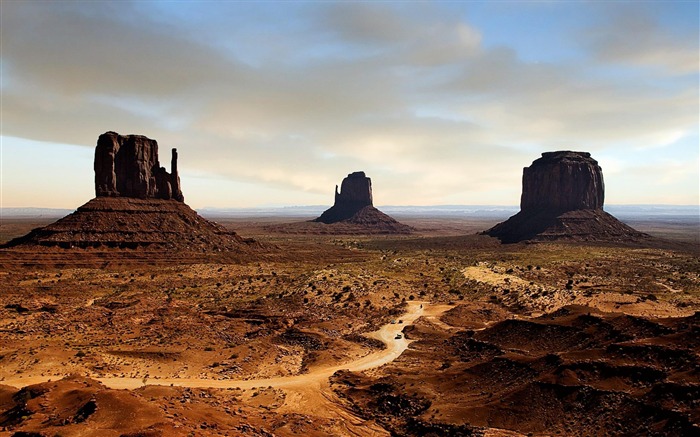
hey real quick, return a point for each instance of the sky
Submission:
(273, 103)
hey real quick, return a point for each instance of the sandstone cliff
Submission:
(128, 166)
(353, 208)
(139, 205)
(562, 198)
(563, 181)
(355, 194)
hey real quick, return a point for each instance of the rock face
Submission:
(563, 181)
(562, 198)
(139, 205)
(128, 166)
(353, 211)
(355, 194)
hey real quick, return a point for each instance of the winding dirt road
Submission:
(309, 392)
(386, 334)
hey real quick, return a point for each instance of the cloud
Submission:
(79, 48)
(400, 35)
(293, 97)
(632, 35)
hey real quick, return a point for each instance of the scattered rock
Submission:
(17, 307)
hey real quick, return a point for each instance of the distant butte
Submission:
(353, 206)
(355, 194)
(562, 198)
(138, 204)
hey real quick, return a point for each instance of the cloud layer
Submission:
(289, 98)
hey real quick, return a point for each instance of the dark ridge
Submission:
(128, 166)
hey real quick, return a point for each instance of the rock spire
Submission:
(138, 205)
(353, 212)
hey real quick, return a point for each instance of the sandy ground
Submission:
(314, 378)
(305, 392)
(511, 340)
(609, 301)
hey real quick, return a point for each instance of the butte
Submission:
(138, 205)
(562, 199)
(353, 206)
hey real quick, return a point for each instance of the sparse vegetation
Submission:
(297, 310)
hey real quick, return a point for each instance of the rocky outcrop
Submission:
(353, 212)
(139, 205)
(562, 198)
(129, 223)
(563, 181)
(128, 166)
(355, 194)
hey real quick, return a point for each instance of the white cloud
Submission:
(631, 35)
(293, 99)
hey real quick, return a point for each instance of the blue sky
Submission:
(273, 103)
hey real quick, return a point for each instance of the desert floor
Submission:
(443, 332)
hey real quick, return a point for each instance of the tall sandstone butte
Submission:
(138, 205)
(128, 166)
(562, 198)
(563, 181)
(354, 212)
(355, 194)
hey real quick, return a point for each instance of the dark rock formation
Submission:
(138, 205)
(129, 223)
(562, 181)
(370, 220)
(562, 198)
(353, 212)
(128, 166)
(355, 194)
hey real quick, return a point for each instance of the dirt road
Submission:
(309, 392)
(386, 334)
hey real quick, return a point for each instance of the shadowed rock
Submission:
(128, 166)
(353, 206)
(138, 205)
(129, 223)
(563, 181)
(562, 198)
(355, 194)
